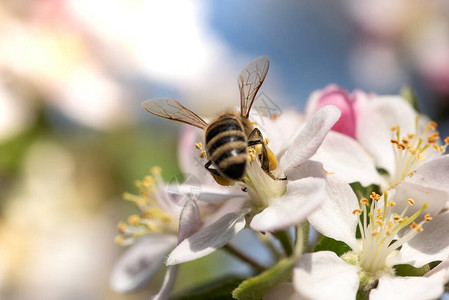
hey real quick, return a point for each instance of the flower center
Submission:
(379, 227)
(152, 217)
(413, 148)
(260, 186)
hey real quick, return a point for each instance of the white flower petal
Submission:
(436, 199)
(207, 193)
(431, 244)
(335, 218)
(284, 291)
(346, 158)
(398, 288)
(309, 168)
(307, 141)
(189, 220)
(323, 275)
(302, 197)
(281, 130)
(139, 263)
(208, 239)
(433, 174)
(374, 124)
(168, 284)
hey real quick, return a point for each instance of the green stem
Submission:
(267, 241)
(237, 253)
(283, 237)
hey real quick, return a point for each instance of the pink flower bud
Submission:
(334, 95)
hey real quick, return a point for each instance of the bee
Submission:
(229, 135)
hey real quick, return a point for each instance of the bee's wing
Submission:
(171, 109)
(250, 80)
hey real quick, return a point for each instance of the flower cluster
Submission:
(366, 174)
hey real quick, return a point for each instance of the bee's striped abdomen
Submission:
(226, 146)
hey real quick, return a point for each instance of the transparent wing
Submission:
(171, 109)
(250, 80)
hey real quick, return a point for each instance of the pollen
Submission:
(391, 203)
(374, 196)
(198, 145)
(121, 227)
(203, 154)
(364, 201)
(433, 125)
(156, 170)
(134, 220)
(416, 227)
(428, 218)
(266, 141)
(356, 211)
(379, 223)
(410, 201)
(119, 240)
(433, 138)
(397, 218)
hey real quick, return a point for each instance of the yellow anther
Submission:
(266, 141)
(203, 154)
(375, 233)
(356, 211)
(433, 125)
(156, 170)
(198, 145)
(416, 227)
(254, 123)
(390, 224)
(446, 140)
(428, 218)
(395, 142)
(379, 223)
(410, 136)
(410, 201)
(374, 196)
(121, 227)
(433, 138)
(166, 219)
(388, 232)
(394, 128)
(397, 218)
(119, 240)
(401, 146)
(134, 220)
(152, 227)
(148, 181)
(391, 203)
(364, 201)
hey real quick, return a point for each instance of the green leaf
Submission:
(408, 270)
(409, 94)
(329, 244)
(220, 289)
(255, 288)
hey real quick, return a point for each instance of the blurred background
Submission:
(73, 136)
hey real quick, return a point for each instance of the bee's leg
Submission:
(256, 138)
